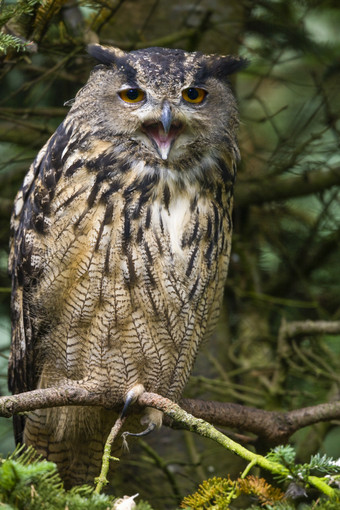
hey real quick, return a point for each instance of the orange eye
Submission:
(193, 95)
(132, 95)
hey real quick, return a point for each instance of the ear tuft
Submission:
(223, 67)
(106, 55)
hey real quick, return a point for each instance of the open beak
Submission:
(166, 117)
(164, 132)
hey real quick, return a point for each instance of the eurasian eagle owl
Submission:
(121, 238)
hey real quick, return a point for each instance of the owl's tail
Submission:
(76, 450)
(74, 438)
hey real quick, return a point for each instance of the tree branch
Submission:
(51, 397)
(102, 480)
(269, 189)
(306, 328)
(38, 111)
(271, 426)
(205, 429)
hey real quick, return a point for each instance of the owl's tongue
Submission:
(163, 141)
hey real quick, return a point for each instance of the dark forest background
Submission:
(285, 256)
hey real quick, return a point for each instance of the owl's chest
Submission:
(111, 249)
(137, 245)
(127, 229)
(126, 272)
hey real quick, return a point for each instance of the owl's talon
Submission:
(131, 398)
(150, 428)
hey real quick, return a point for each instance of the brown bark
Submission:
(273, 427)
(270, 189)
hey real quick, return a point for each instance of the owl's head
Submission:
(168, 101)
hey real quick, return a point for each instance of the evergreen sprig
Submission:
(216, 493)
(12, 11)
(29, 483)
(11, 14)
(324, 464)
(318, 464)
(211, 493)
(10, 42)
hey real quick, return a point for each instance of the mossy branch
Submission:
(77, 395)
(272, 426)
(204, 429)
(102, 480)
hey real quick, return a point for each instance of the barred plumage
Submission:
(121, 241)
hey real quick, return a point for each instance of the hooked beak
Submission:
(163, 133)
(166, 117)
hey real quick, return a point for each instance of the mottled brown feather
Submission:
(119, 257)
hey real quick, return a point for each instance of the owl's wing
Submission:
(20, 368)
(22, 373)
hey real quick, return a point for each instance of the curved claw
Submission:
(150, 428)
(129, 400)
(131, 397)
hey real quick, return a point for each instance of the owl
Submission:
(120, 245)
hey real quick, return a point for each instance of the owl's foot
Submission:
(150, 428)
(153, 417)
(131, 398)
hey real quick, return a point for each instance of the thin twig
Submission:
(102, 480)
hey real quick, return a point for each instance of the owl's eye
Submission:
(132, 95)
(193, 95)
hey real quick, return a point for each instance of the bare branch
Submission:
(271, 426)
(51, 397)
(303, 328)
(276, 188)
